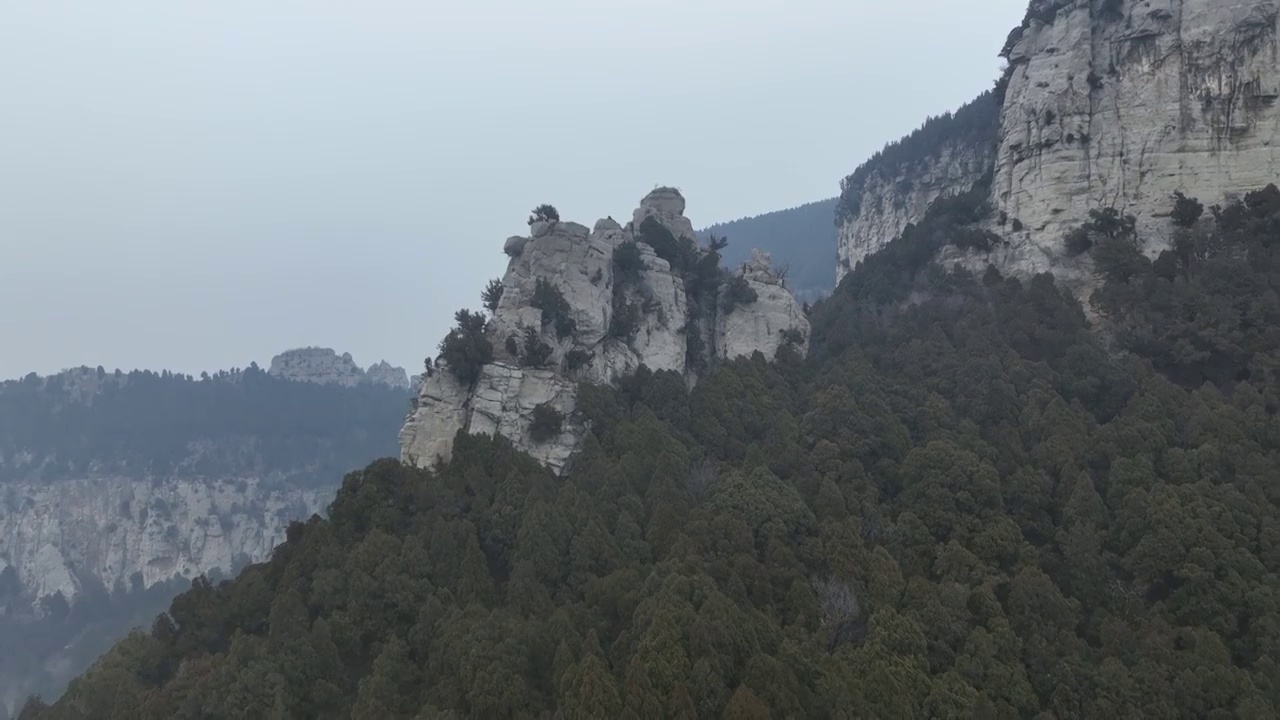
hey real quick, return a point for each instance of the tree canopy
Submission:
(959, 506)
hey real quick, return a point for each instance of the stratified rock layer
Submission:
(675, 328)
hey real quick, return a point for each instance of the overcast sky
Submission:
(197, 185)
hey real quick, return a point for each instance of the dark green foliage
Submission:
(974, 125)
(1111, 10)
(546, 423)
(962, 506)
(577, 358)
(628, 263)
(492, 295)
(555, 309)
(681, 253)
(792, 336)
(803, 237)
(695, 348)
(738, 292)
(146, 424)
(1078, 242)
(1207, 311)
(544, 213)
(628, 268)
(1186, 211)
(973, 238)
(466, 349)
(625, 321)
(534, 352)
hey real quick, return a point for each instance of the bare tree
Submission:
(702, 477)
(841, 611)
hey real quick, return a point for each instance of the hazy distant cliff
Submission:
(1114, 104)
(116, 489)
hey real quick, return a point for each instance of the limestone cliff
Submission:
(125, 534)
(581, 305)
(326, 367)
(1114, 104)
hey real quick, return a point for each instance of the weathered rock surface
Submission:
(326, 367)
(1108, 105)
(579, 263)
(773, 320)
(125, 534)
(899, 197)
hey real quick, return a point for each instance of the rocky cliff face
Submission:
(326, 367)
(632, 295)
(1107, 105)
(127, 534)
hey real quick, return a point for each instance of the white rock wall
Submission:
(59, 534)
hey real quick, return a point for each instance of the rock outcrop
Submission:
(1105, 105)
(581, 305)
(774, 319)
(125, 534)
(326, 367)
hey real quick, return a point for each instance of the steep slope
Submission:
(800, 239)
(117, 489)
(579, 305)
(1116, 104)
(958, 506)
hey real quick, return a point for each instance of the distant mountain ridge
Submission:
(801, 239)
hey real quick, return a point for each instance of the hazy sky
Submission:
(196, 185)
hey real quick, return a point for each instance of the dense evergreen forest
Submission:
(802, 241)
(966, 503)
(148, 424)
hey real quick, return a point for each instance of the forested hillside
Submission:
(801, 239)
(117, 488)
(963, 504)
(149, 424)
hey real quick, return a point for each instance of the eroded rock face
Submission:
(1108, 105)
(663, 303)
(326, 367)
(123, 533)
(1122, 111)
(773, 320)
(901, 196)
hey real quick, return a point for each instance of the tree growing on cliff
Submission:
(466, 349)
(547, 422)
(1186, 211)
(555, 309)
(544, 213)
(738, 292)
(492, 295)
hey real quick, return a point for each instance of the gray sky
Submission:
(195, 185)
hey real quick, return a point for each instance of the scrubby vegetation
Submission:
(546, 423)
(492, 295)
(466, 350)
(736, 294)
(1207, 310)
(973, 126)
(555, 309)
(544, 213)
